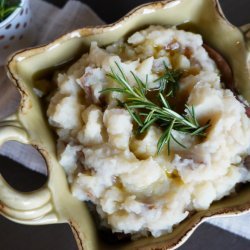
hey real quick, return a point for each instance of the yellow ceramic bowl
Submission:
(53, 203)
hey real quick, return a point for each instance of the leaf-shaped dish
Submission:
(54, 203)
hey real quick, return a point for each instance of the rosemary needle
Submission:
(169, 79)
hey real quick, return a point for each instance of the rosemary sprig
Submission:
(7, 7)
(145, 112)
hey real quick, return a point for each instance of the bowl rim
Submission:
(96, 29)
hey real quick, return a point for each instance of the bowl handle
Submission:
(24, 207)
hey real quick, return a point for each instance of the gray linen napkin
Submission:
(52, 22)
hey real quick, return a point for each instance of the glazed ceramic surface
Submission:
(16, 31)
(54, 203)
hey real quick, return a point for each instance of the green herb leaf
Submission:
(7, 8)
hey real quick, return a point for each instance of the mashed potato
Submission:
(135, 189)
